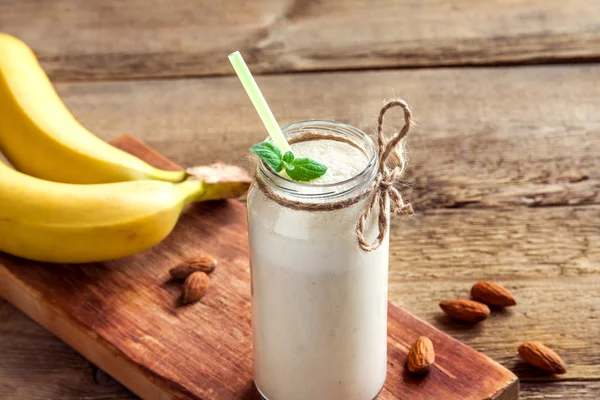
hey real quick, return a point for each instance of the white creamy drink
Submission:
(319, 304)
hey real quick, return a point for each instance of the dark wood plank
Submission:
(112, 312)
(134, 39)
(454, 375)
(123, 315)
(36, 365)
(488, 138)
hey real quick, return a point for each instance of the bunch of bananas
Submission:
(74, 198)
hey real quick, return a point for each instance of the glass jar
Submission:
(319, 302)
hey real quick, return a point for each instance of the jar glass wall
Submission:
(319, 302)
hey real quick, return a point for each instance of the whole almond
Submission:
(465, 310)
(542, 357)
(492, 294)
(206, 264)
(195, 287)
(421, 356)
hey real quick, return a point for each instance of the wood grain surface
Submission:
(125, 316)
(484, 137)
(505, 161)
(506, 172)
(134, 39)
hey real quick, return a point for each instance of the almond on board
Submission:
(195, 287)
(421, 356)
(203, 263)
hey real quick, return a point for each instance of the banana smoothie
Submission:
(319, 304)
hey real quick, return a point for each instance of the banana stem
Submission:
(194, 190)
(220, 181)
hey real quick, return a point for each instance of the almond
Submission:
(206, 264)
(542, 357)
(492, 294)
(465, 310)
(421, 356)
(195, 287)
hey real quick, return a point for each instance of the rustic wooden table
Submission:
(505, 157)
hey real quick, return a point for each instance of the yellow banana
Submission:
(73, 223)
(41, 138)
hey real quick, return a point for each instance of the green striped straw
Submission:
(259, 102)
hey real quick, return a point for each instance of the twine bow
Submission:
(388, 179)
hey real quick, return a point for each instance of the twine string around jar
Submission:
(385, 187)
(388, 179)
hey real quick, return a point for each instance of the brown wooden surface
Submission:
(124, 316)
(513, 139)
(484, 137)
(131, 39)
(505, 160)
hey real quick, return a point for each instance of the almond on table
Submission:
(542, 357)
(465, 310)
(492, 294)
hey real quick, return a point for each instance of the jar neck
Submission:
(323, 193)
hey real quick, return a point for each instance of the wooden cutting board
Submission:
(125, 317)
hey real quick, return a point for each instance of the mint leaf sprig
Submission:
(299, 169)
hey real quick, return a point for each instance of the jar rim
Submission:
(305, 191)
